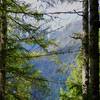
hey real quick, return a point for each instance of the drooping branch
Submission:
(44, 54)
(28, 30)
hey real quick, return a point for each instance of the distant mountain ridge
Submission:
(49, 68)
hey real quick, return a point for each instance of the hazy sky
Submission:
(62, 20)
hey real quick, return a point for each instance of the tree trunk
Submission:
(85, 44)
(94, 49)
(3, 40)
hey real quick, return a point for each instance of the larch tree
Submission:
(94, 49)
(85, 44)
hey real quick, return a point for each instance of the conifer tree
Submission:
(15, 71)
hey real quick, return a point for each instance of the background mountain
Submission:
(57, 73)
(57, 68)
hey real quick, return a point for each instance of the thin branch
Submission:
(78, 13)
(43, 55)
(29, 78)
(49, 13)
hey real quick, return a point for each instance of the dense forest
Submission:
(49, 50)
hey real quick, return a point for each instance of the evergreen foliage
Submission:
(21, 76)
(74, 82)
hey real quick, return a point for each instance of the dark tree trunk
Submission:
(3, 40)
(85, 44)
(94, 49)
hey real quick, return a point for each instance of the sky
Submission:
(65, 23)
(63, 19)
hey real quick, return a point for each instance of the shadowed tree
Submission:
(94, 49)
(3, 41)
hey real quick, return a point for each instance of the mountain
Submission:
(57, 71)
(48, 66)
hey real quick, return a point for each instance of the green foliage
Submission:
(21, 75)
(38, 16)
(73, 83)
